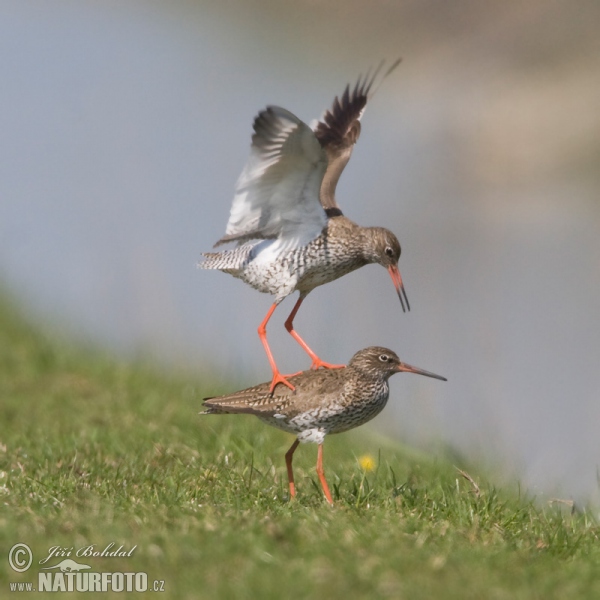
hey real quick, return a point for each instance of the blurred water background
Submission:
(124, 126)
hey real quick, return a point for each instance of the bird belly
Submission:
(316, 435)
(298, 427)
(358, 415)
(334, 416)
(343, 415)
(264, 265)
(273, 270)
(314, 276)
(306, 425)
(271, 273)
(281, 422)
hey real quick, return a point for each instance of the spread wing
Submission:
(339, 130)
(277, 194)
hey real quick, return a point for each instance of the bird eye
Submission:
(389, 251)
(384, 358)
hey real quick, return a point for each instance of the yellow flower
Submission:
(366, 462)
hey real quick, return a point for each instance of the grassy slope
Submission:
(94, 451)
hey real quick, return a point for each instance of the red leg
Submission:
(321, 474)
(316, 361)
(262, 334)
(288, 463)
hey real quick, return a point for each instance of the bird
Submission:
(290, 231)
(324, 402)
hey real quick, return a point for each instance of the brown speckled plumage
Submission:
(324, 402)
(291, 233)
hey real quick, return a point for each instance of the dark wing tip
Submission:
(336, 127)
(266, 128)
(339, 124)
(340, 128)
(271, 126)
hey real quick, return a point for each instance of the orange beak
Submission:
(397, 279)
(410, 369)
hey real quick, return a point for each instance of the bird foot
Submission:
(279, 378)
(317, 363)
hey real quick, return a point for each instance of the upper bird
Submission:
(324, 402)
(290, 231)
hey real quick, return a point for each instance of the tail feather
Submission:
(228, 260)
(213, 411)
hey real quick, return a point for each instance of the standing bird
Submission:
(290, 231)
(330, 401)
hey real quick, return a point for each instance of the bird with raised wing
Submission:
(291, 234)
(324, 402)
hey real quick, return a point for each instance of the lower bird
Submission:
(324, 401)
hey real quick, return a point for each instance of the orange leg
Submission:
(288, 463)
(262, 334)
(316, 361)
(321, 474)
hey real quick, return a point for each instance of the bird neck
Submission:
(357, 240)
(366, 389)
(369, 239)
(366, 376)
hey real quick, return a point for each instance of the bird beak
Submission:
(397, 279)
(410, 369)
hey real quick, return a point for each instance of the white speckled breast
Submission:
(271, 270)
(348, 412)
(271, 267)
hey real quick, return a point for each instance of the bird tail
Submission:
(212, 411)
(229, 261)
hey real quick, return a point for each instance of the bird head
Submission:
(384, 362)
(383, 247)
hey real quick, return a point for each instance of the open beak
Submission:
(410, 369)
(397, 279)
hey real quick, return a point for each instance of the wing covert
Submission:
(277, 193)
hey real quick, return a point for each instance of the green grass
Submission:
(94, 451)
